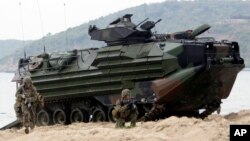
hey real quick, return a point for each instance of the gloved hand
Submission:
(29, 105)
(26, 101)
(134, 107)
(19, 98)
(23, 96)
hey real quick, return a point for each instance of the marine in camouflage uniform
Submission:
(18, 103)
(27, 102)
(125, 110)
(155, 113)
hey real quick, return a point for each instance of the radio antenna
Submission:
(21, 20)
(41, 23)
(65, 24)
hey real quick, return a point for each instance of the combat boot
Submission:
(26, 130)
(32, 125)
(120, 123)
(133, 123)
(133, 119)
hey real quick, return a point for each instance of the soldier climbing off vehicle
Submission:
(27, 100)
(125, 110)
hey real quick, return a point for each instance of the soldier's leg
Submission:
(33, 117)
(133, 119)
(18, 110)
(26, 118)
(120, 123)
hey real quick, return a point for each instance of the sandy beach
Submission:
(214, 127)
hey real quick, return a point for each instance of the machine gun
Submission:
(149, 25)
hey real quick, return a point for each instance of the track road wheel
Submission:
(43, 118)
(77, 115)
(110, 116)
(59, 117)
(98, 115)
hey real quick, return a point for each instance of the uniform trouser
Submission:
(29, 116)
(132, 118)
(18, 110)
(120, 122)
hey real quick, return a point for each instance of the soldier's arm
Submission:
(38, 98)
(33, 98)
(35, 91)
(118, 102)
(125, 107)
(19, 91)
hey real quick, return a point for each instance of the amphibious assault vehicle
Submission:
(179, 72)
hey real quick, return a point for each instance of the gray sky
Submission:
(12, 12)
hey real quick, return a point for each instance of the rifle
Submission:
(131, 103)
(28, 100)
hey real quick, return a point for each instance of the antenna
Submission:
(41, 23)
(21, 20)
(145, 10)
(65, 23)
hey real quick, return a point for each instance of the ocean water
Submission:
(7, 98)
(238, 99)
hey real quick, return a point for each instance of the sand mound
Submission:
(215, 127)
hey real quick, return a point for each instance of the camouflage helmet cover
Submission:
(125, 92)
(27, 80)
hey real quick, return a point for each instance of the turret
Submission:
(123, 31)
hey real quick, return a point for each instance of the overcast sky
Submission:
(15, 13)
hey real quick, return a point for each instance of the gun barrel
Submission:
(201, 29)
(140, 23)
(158, 21)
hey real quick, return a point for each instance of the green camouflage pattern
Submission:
(180, 71)
(125, 110)
(26, 104)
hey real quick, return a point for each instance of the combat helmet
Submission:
(27, 80)
(125, 92)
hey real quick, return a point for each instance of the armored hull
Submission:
(183, 75)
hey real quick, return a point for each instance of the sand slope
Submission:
(215, 127)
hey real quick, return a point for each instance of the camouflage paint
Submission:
(181, 73)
